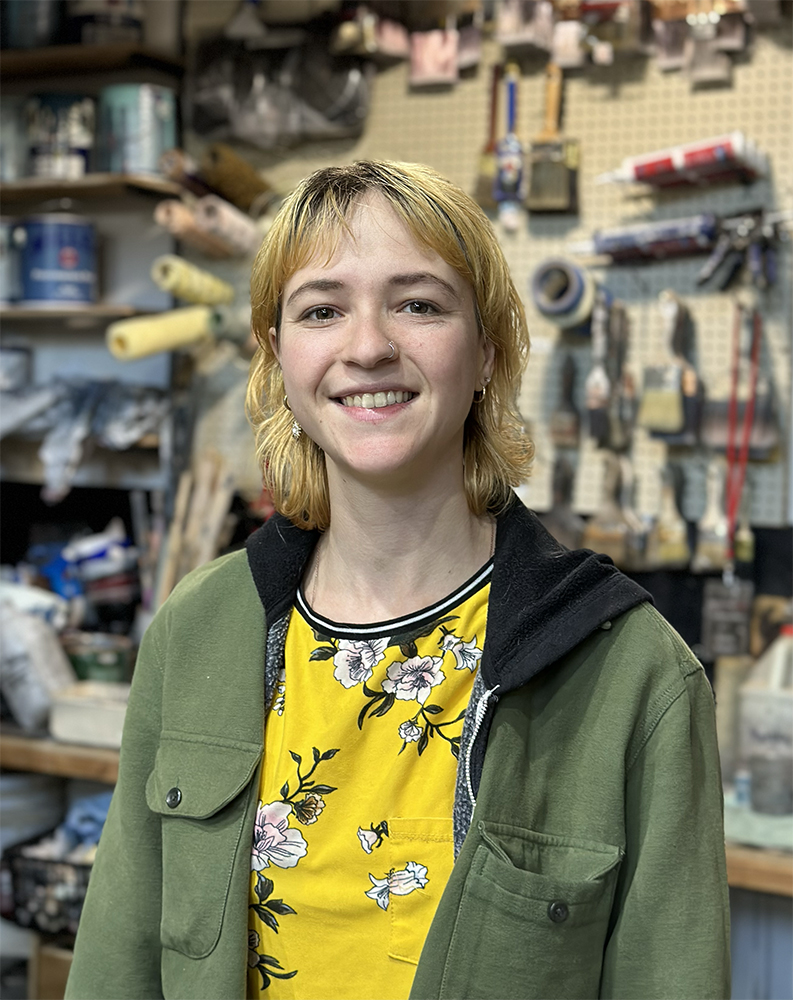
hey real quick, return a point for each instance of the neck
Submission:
(384, 556)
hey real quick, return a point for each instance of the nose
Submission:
(370, 342)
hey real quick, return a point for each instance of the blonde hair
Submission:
(441, 217)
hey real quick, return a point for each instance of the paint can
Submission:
(60, 134)
(10, 275)
(58, 260)
(137, 124)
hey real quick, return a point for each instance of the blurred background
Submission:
(636, 160)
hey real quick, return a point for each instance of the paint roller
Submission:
(186, 281)
(219, 218)
(129, 339)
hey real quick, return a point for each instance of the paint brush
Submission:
(488, 163)
(553, 160)
(508, 188)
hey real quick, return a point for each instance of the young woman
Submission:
(405, 744)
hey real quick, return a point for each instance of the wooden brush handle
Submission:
(494, 85)
(553, 100)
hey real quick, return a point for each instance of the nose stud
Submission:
(392, 355)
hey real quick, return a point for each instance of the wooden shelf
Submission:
(78, 315)
(760, 870)
(66, 760)
(93, 187)
(75, 59)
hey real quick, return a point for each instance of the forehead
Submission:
(373, 240)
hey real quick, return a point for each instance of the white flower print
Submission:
(273, 838)
(414, 678)
(410, 732)
(467, 654)
(368, 839)
(280, 694)
(356, 659)
(400, 883)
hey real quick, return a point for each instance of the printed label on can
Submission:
(59, 261)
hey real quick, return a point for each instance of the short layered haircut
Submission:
(497, 451)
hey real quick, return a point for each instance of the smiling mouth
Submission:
(375, 400)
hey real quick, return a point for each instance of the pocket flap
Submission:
(194, 778)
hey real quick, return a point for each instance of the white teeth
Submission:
(373, 401)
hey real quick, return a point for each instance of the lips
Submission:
(376, 400)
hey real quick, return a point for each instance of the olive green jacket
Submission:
(592, 864)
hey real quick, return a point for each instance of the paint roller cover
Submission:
(234, 178)
(186, 281)
(128, 339)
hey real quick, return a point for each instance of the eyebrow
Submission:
(397, 281)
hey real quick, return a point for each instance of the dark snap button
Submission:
(558, 911)
(173, 798)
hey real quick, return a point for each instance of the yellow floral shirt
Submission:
(353, 838)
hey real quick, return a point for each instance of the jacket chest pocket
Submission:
(533, 917)
(201, 791)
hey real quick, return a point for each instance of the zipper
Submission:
(479, 715)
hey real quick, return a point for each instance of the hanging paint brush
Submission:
(508, 186)
(668, 542)
(597, 388)
(553, 160)
(661, 408)
(488, 163)
(711, 550)
(565, 423)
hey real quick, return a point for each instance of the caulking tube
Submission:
(721, 157)
(654, 240)
(128, 339)
(188, 282)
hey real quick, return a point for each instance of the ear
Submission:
(272, 335)
(488, 358)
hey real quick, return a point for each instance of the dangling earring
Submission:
(297, 430)
(480, 395)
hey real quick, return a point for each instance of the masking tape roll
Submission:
(216, 216)
(179, 220)
(186, 281)
(128, 339)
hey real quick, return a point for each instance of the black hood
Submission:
(544, 599)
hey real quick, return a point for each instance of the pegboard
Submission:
(616, 111)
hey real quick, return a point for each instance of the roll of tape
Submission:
(128, 339)
(563, 292)
(188, 282)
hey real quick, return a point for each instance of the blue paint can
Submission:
(58, 261)
(137, 124)
(60, 134)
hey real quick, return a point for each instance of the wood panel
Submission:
(760, 870)
(65, 760)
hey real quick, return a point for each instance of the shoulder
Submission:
(219, 594)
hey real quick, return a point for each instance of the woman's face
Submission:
(378, 418)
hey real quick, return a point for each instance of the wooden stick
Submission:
(174, 544)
